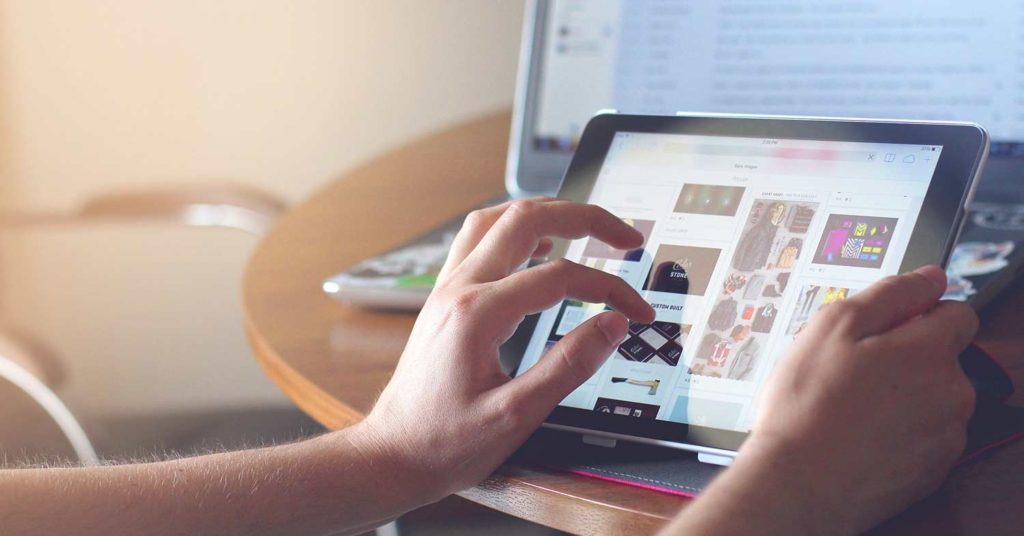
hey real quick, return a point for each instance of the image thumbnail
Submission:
(709, 199)
(626, 409)
(660, 342)
(733, 356)
(811, 299)
(704, 412)
(682, 269)
(769, 224)
(859, 241)
(747, 303)
(598, 249)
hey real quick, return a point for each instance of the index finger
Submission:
(894, 300)
(541, 287)
(518, 231)
(474, 227)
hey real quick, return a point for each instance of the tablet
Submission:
(752, 225)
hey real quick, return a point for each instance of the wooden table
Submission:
(332, 360)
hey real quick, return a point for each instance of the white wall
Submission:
(282, 95)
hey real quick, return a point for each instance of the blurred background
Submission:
(139, 325)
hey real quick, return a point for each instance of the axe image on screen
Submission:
(653, 384)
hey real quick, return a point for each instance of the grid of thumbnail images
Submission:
(773, 238)
(746, 304)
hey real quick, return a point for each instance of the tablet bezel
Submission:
(964, 150)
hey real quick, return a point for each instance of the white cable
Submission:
(46, 399)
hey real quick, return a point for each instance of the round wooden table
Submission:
(332, 360)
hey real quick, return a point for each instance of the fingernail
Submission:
(934, 275)
(614, 326)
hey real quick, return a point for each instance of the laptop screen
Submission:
(914, 59)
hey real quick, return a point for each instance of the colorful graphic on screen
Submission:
(858, 241)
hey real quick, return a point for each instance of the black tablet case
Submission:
(997, 216)
(678, 472)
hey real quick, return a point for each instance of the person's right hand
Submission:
(865, 414)
(450, 415)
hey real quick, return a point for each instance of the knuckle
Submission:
(855, 310)
(509, 409)
(827, 315)
(475, 220)
(574, 368)
(845, 315)
(576, 373)
(522, 210)
(441, 285)
(561, 267)
(562, 264)
(464, 301)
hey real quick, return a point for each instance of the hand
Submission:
(864, 415)
(450, 416)
(446, 420)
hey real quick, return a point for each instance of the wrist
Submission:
(400, 471)
(768, 489)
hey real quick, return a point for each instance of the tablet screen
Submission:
(746, 240)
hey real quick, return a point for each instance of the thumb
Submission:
(896, 299)
(569, 363)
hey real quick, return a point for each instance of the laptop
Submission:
(871, 58)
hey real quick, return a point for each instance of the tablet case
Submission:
(989, 254)
(678, 472)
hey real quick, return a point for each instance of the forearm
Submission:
(760, 495)
(335, 483)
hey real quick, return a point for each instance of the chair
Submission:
(239, 208)
(42, 422)
(44, 428)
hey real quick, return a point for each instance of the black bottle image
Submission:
(671, 276)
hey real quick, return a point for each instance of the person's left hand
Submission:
(450, 415)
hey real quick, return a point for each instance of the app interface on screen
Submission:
(746, 240)
(912, 59)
